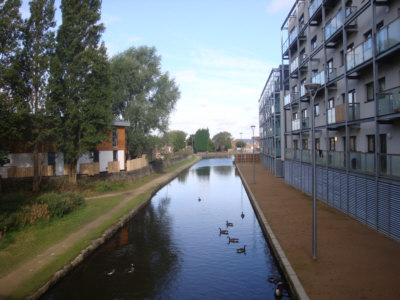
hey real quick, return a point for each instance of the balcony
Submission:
(306, 156)
(359, 54)
(354, 111)
(337, 114)
(320, 157)
(314, 7)
(333, 25)
(305, 123)
(296, 125)
(319, 78)
(336, 159)
(294, 65)
(350, 10)
(288, 153)
(389, 102)
(285, 46)
(293, 36)
(362, 162)
(389, 165)
(331, 74)
(303, 90)
(388, 36)
(286, 100)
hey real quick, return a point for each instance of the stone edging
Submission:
(96, 243)
(284, 263)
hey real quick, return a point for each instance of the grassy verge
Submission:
(42, 276)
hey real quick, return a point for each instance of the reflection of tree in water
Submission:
(203, 173)
(149, 248)
(223, 170)
(183, 176)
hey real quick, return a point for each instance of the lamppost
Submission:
(241, 148)
(254, 174)
(312, 88)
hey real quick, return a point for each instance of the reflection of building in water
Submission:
(223, 170)
(124, 236)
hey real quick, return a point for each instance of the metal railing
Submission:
(333, 25)
(388, 36)
(389, 101)
(359, 54)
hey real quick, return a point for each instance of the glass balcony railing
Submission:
(336, 159)
(362, 162)
(303, 58)
(285, 46)
(303, 90)
(331, 74)
(320, 157)
(333, 25)
(389, 101)
(331, 116)
(293, 35)
(350, 10)
(389, 165)
(294, 65)
(388, 36)
(296, 125)
(286, 100)
(297, 154)
(305, 123)
(359, 54)
(314, 7)
(288, 153)
(306, 156)
(337, 114)
(354, 111)
(295, 96)
(319, 78)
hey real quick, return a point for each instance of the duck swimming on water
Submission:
(223, 231)
(232, 240)
(111, 272)
(131, 269)
(241, 250)
(228, 224)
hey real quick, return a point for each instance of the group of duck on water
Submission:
(232, 240)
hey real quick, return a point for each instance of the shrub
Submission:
(104, 187)
(61, 204)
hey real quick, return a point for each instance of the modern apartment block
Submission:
(351, 49)
(270, 108)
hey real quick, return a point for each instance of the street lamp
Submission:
(312, 88)
(254, 174)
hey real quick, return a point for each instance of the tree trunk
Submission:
(72, 172)
(36, 179)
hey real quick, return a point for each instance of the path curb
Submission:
(284, 263)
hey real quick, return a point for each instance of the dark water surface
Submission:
(175, 245)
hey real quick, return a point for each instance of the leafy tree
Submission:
(201, 140)
(80, 82)
(190, 140)
(34, 63)
(210, 146)
(222, 141)
(10, 32)
(240, 144)
(142, 94)
(177, 139)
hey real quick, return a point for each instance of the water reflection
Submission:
(176, 247)
(183, 176)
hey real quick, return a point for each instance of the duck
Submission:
(228, 224)
(232, 240)
(279, 290)
(241, 250)
(131, 269)
(242, 215)
(223, 231)
(111, 272)
(199, 199)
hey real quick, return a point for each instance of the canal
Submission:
(176, 247)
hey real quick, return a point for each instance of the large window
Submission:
(316, 110)
(114, 137)
(314, 43)
(371, 143)
(352, 96)
(370, 91)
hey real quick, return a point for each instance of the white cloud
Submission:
(275, 6)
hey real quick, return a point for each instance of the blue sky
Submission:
(220, 53)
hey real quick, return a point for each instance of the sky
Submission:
(220, 53)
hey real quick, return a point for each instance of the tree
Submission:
(10, 32)
(80, 83)
(240, 144)
(201, 140)
(222, 141)
(34, 63)
(177, 139)
(142, 94)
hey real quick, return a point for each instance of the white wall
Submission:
(121, 154)
(104, 158)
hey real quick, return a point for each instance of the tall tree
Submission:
(10, 32)
(177, 139)
(143, 94)
(222, 141)
(34, 64)
(201, 140)
(80, 84)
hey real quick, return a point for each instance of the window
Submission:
(305, 144)
(371, 143)
(352, 144)
(295, 116)
(370, 91)
(314, 43)
(331, 103)
(295, 145)
(341, 58)
(96, 156)
(115, 155)
(304, 113)
(317, 144)
(382, 84)
(301, 22)
(331, 144)
(51, 159)
(114, 137)
(379, 26)
(352, 97)
(316, 110)
(330, 66)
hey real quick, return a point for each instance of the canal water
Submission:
(176, 247)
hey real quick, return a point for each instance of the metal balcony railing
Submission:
(314, 7)
(359, 54)
(288, 153)
(389, 101)
(388, 36)
(320, 157)
(333, 25)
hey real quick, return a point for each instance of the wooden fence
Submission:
(90, 169)
(113, 166)
(14, 172)
(137, 163)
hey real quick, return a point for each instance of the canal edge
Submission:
(284, 263)
(106, 235)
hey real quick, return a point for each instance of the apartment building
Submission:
(270, 108)
(351, 50)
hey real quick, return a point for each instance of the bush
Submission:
(104, 187)
(60, 205)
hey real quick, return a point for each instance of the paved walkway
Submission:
(354, 262)
(11, 281)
